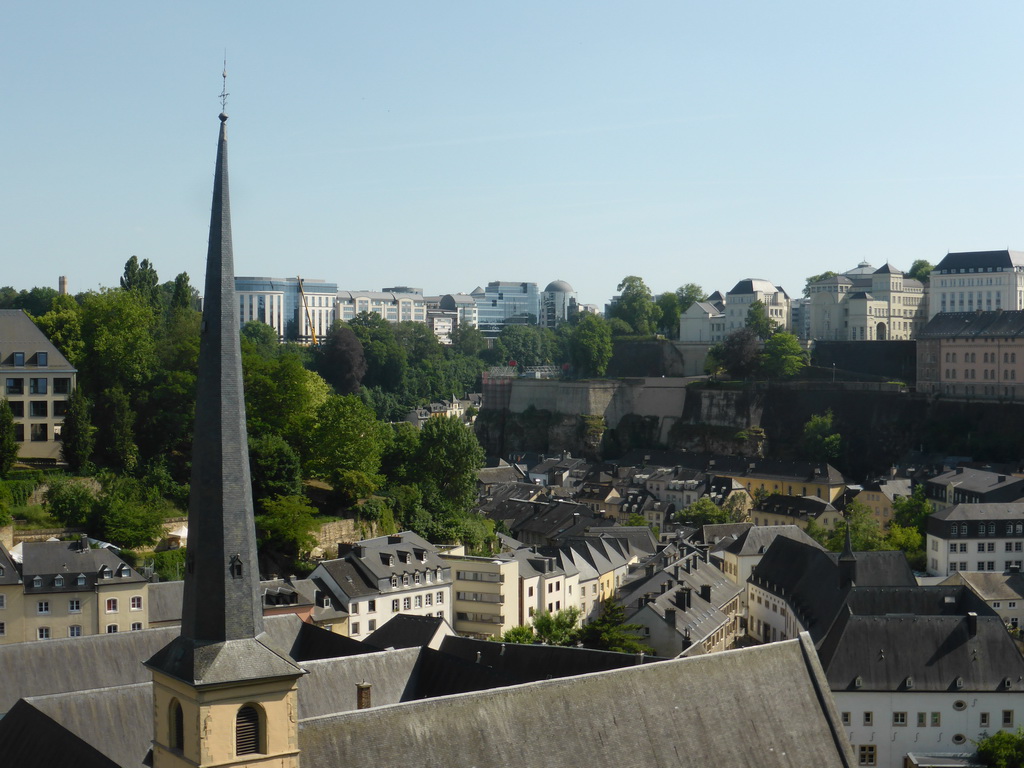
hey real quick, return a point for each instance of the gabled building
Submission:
(746, 292)
(779, 509)
(1002, 592)
(379, 578)
(965, 485)
(38, 380)
(879, 495)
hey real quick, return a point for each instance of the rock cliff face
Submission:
(603, 419)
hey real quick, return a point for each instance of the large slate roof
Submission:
(962, 325)
(979, 512)
(979, 260)
(19, 334)
(688, 712)
(886, 636)
(756, 539)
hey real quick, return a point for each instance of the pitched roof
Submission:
(979, 260)
(756, 539)
(406, 631)
(19, 334)
(959, 325)
(642, 715)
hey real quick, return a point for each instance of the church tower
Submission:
(221, 695)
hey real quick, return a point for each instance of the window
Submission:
(355, 628)
(42, 359)
(867, 755)
(43, 633)
(111, 605)
(19, 358)
(58, 581)
(3, 629)
(419, 601)
(136, 604)
(15, 386)
(440, 598)
(43, 607)
(111, 629)
(74, 606)
(869, 718)
(845, 718)
(529, 592)
(371, 606)
(983, 720)
(37, 386)
(75, 630)
(247, 731)
(371, 625)
(936, 719)
(394, 606)
(406, 603)
(3, 601)
(80, 581)
(353, 608)
(428, 599)
(17, 408)
(38, 433)
(922, 719)
(1007, 718)
(981, 546)
(177, 723)
(37, 581)
(62, 386)
(899, 718)
(394, 582)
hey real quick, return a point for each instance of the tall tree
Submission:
(468, 340)
(349, 442)
(274, 467)
(636, 306)
(386, 360)
(184, 295)
(141, 278)
(740, 353)
(8, 443)
(816, 279)
(668, 323)
(783, 356)
(559, 628)
(340, 359)
(758, 321)
(63, 327)
(590, 346)
(78, 435)
(449, 457)
(689, 295)
(912, 511)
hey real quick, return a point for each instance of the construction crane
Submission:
(305, 307)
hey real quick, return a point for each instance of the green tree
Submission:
(274, 467)
(590, 346)
(386, 361)
(920, 270)
(912, 511)
(63, 327)
(117, 443)
(400, 456)
(909, 541)
(816, 279)
(285, 526)
(783, 356)
(340, 359)
(69, 500)
(821, 441)
(522, 634)
(636, 306)
(866, 534)
(1002, 749)
(183, 295)
(36, 301)
(141, 278)
(689, 294)
(758, 321)
(8, 443)
(610, 632)
(703, 512)
(739, 353)
(349, 442)
(129, 512)
(559, 628)
(78, 435)
(120, 339)
(263, 339)
(468, 340)
(668, 323)
(523, 344)
(448, 459)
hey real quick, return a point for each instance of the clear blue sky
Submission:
(448, 144)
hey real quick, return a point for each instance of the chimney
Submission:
(705, 593)
(675, 571)
(959, 470)
(972, 623)
(395, 538)
(83, 542)
(664, 587)
(1002, 479)
(358, 550)
(363, 695)
(670, 616)
(62, 285)
(649, 570)
(683, 598)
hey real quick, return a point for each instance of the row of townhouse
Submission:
(911, 668)
(56, 589)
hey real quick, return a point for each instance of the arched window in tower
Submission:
(247, 730)
(177, 726)
(236, 567)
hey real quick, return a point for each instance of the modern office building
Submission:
(297, 308)
(502, 303)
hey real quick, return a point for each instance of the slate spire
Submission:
(222, 607)
(847, 563)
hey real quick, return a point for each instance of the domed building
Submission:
(558, 303)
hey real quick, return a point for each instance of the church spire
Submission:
(222, 614)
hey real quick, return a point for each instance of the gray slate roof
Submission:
(19, 334)
(980, 260)
(696, 711)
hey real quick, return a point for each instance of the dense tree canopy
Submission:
(783, 356)
(8, 444)
(636, 306)
(758, 321)
(590, 346)
(921, 270)
(821, 440)
(739, 354)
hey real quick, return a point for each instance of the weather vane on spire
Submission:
(224, 91)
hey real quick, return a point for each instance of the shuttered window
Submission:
(247, 731)
(177, 726)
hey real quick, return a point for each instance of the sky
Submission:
(444, 145)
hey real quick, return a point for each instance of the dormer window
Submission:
(37, 582)
(105, 572)
(403, 557)
(59, 581)
(80, 580)
(394, 581)
(42, 359)
(416, 577)
(405, 580)
(235, 567)
(19, 358)
(124, 571)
